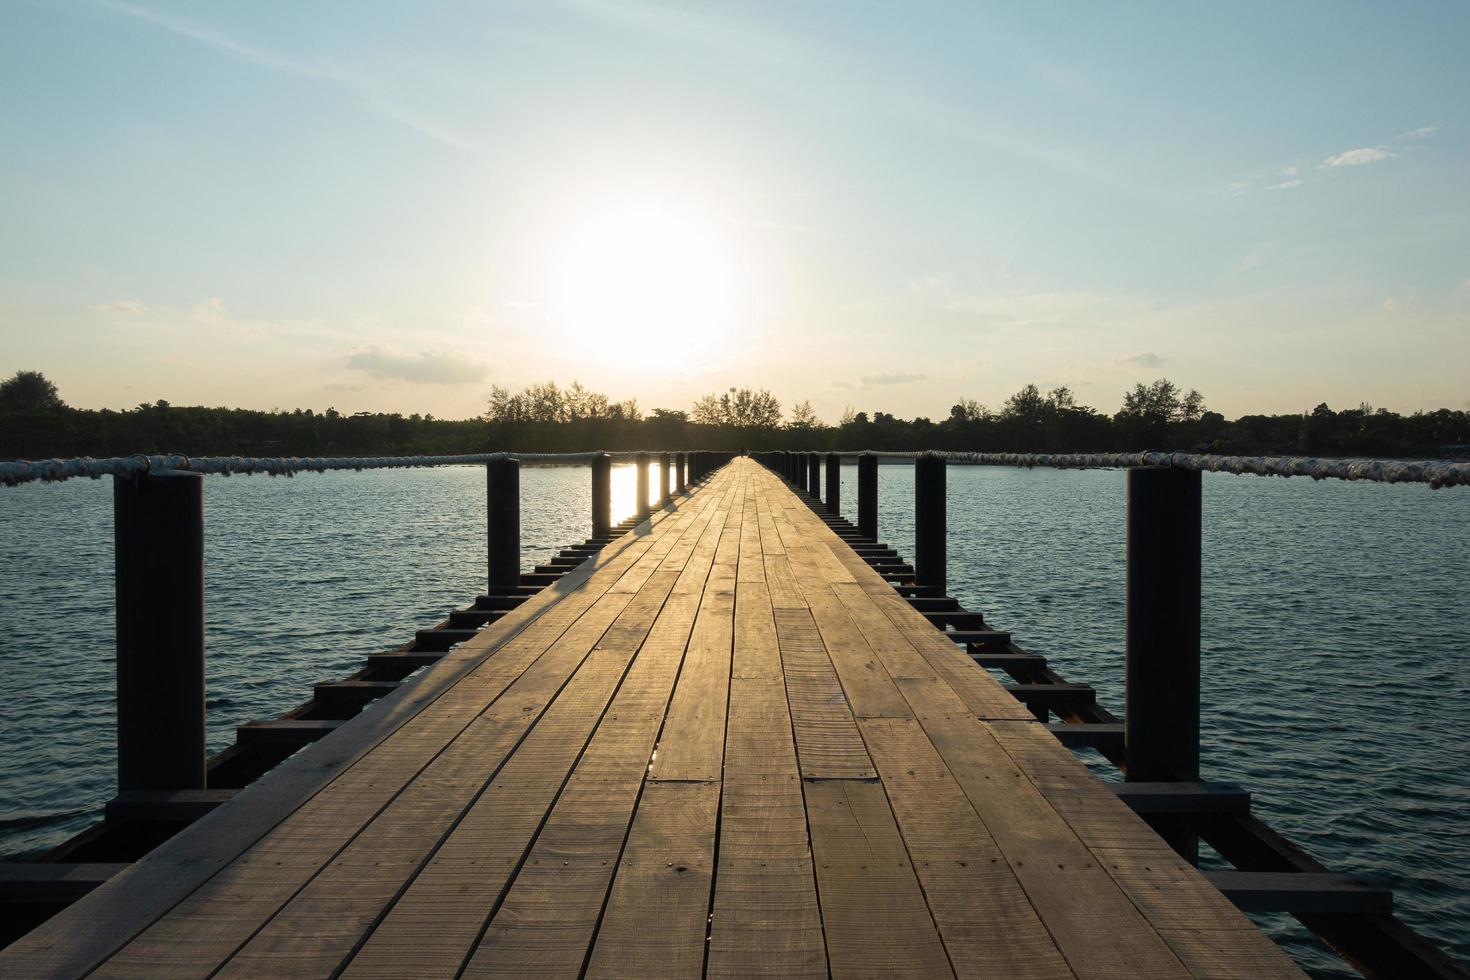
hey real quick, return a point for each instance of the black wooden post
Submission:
(1161, 714)
(641, 506)
(680, 470)
(158, 523)
(503, 524)
(868, 496)
(601, 496)
(834, 483)
(665, 478)
(930, 566)
(814, 475)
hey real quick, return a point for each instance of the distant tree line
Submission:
(36, 423)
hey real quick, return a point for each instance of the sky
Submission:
(393, 207)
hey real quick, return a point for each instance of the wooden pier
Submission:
(723, 746)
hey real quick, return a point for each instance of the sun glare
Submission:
(645, 283)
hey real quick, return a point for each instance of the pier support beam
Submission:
(814, 475)
(665, 478)
(868, 496)
(503, 523)
(1161, 717)
(681, 471)
(834, 483)
(930, 553)
(601, 495)
(158, 520)
(640, 506)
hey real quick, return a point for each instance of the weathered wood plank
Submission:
(656, 916)
(873, 911)
(828, 745)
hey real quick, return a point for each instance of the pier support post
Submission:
(640, 506)
(503, 523)
(158, 522)
(868, 496)
(930, 565)
(814, 475)
(665, 478)
(680, 471)
(1161, 716)
(601, 495)
(834, 484)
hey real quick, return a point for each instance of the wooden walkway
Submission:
(724, 747)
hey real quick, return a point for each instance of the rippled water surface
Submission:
(1336, 674)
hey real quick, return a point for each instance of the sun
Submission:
(645, 282)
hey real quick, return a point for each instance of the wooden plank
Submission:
(323, 922)
(765, 920)
(456, 891)
(1094, 924)
(28, 882)
(656, 916)
(545, 925)
(988, 924)
(828, 745)
(692, 745)
(874, 916)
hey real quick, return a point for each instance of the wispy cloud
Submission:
(130, 307)
(425, 367)
(895, 378)
(308, 68)
(1358, 157)
(1146, 359)
(1293, 176)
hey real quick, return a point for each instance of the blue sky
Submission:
(893, 206)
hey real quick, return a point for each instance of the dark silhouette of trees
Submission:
(545, 417)
(28, 391)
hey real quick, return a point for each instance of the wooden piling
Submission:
(680, 471)
(665, 478)
(868, 496)
(601, 495)
(158, 522)
(814, 475)
(503, 523)
(930, 566)
(834, 483)
(641, 505)
(1161, 717)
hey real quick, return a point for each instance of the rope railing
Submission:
(51, 470)
(1435, 472)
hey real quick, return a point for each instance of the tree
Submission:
(29, 391)
(803, 417)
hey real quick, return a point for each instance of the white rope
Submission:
(1435, 472)
(50, 470)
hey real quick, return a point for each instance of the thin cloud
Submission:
(298, 68)
(1285, 185)
(1358, 157)
(131, 307)
(1147, 359)
(425, 367)
(1422, 133)
(896, 378)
